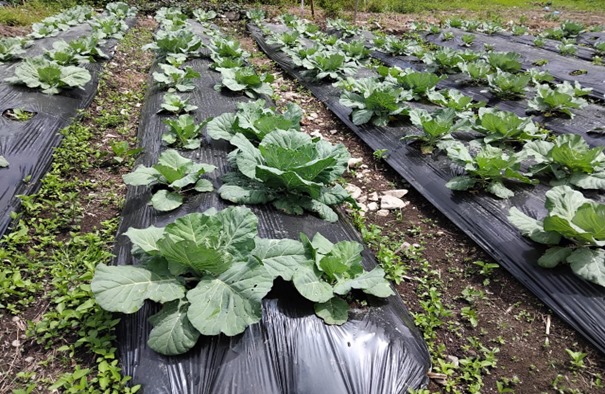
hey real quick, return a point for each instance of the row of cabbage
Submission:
(567, 34)
(504, 147)
(211, 270)
(60, 67)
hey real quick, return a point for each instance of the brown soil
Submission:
(531, 341)
(124, 74)
(13, 31)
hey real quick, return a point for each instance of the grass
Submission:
(30, 12)
(494, 6)
(50, 256)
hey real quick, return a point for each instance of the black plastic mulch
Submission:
(483, 218)
(28, 145)
(290, 351)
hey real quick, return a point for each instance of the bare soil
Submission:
(530, 339)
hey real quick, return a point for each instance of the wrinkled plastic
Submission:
(291, 350)
(561, 67)
(482, 217)
(28, 145)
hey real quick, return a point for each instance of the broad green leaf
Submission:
(532, 228)
(164, 200)
(145, 240)
(462, 182)
(499, 190)
(239, 228)
(231, 302)
(141, 176)
(308, 282)
(200, 228)
(125, 288)
(563, 201)
(172, 332)
(372, 282)
(333, 311)
(75, 76)
(198, 257)
(589, 264)
(222, 126)
(554, 256)
(281, 257)
(361, 116)
(590, 217)
(203, 185)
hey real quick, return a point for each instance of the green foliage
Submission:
(49, 77)
(204, 16)
(109, 27)
(488, 169)
(254, 121)
(578, 223)
(419, 83)
(182, 41)
(570, 160)
(222, 48)
(246, 80)
(177, 174)
(373, 100)
(3, 162)
(506, 126)
(560, 100)
(12, 47)
(176, 104)
(452, 98)
(477, 71)
(508, 86)
(122, 151)
(326, 64)
(436, 126)
(176, 79)
(211, 272)
(290, 170)
(183, 132)
(505, 61)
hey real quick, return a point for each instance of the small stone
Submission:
(397, 193)
(373, 206)
(316, 133)
(334, 131)
(382, 212)
(405, 246)
(354, 162)
(390, 202)
(313, 115)
(16, 343)
(373, 196)
(362, 199)
(440, 233)
(453, 360)
(416, 245)
(364, 166)
(29, 359)
(354, 191)
(363, 207)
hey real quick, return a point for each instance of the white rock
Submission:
(397, 193)
(373, 196)
(334, 131)
(363, 199)
(354, 191)
(373, 206)
(354, 162)
(382, 212)
(390, 202)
